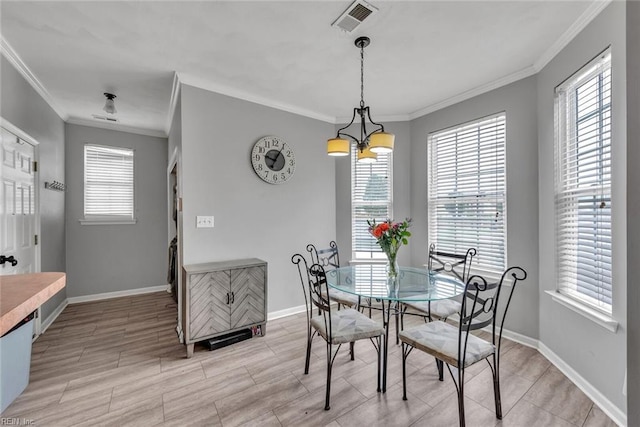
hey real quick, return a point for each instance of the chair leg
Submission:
(440, 365)
(461, 397)
(404, 372)
(496, 388)
(379, 348)
(352, 350)
(309, 341)
(329, 366)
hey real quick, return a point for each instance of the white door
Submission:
(17, 206)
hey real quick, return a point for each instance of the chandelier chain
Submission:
(361, 75)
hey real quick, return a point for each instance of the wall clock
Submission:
(273, 160)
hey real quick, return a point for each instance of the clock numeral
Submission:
(266, 174)
(275, 177)
(267, 143)
(288, 153)
(283, 176)
(260, 167)
(291, 162)
(276, 143)
(257, 157)
(289, 171)
(261, 150)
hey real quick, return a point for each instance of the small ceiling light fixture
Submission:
(109, 105)
(369, 144)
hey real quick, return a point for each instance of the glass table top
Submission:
(412, 284)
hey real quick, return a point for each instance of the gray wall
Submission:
(598, 355)
(23, 107)
(633, 210)
(253, 218)
(401, 191)
(111, 258)
(518, 100)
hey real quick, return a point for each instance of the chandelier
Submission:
(369, 144)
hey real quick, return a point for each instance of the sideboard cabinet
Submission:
(222, 297)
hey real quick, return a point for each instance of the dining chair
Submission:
(457, 265)
(338, 327)
(482, 306)
(329, 258)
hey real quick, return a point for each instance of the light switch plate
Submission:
(203, 221)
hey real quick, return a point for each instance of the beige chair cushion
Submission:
(344, 298)
(347, 325)
(441, 308)
(440, 340)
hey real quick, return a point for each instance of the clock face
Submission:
(273, 160)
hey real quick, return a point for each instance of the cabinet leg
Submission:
(189, 350)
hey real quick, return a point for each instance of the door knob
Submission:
(9, 259)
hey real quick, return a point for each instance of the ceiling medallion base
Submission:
(362, 42)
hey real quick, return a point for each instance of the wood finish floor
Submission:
(118, 363)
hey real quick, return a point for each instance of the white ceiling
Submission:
(424, 54)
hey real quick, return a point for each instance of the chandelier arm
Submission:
(355, 110)
(374, 123)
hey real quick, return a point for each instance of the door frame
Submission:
(36, 185)
(175, 165)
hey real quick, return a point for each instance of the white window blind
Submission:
(583, 184)
(108, 182)
(467, 191)
(371, 199)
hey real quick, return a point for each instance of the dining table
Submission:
(371, 282)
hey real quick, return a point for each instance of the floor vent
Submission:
(354, 16)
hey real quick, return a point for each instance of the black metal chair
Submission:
(329, 258)
(335, 327)
(459, 266)
(455, 346)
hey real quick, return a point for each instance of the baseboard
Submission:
(516, 337)
(598, 398)
(117, 294)
(286, 312)
(53, 316)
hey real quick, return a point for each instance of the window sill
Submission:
(601, 319)
(105, 221)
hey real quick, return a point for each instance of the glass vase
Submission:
(392, 266)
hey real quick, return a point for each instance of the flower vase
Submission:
(392, 267)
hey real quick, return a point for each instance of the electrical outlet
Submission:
(203, 221)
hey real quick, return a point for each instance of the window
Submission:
(467, 191)
(583, 184)
(371, 199)
(108, 184)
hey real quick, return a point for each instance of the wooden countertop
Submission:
(21, 294)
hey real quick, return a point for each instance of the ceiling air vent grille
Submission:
(105, 118)
(354, 15)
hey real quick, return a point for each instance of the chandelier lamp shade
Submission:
(371, 143)
(109, 105)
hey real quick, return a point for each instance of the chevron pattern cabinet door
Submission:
(248, 290)
(209, 310)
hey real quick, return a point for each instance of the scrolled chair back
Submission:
(329, 257)
(458, 265)
(481, 307)
(319, 293)
(303, 272)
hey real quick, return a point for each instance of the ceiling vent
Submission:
(354, 16)
(104, 118)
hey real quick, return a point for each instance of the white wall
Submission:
(518, 100)
(23, 107)
(113, 258)
(633, 210)
(253, 218)
(596, 354)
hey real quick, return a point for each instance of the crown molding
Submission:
(17, 62)
(587, 16)
(173, 101)
(245, 96)
(518, 75)
(116, 126)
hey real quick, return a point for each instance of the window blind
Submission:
(583, 184)
(467, 192)
(371, 199)
(108, 182)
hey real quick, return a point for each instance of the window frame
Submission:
(478, 267)
(566, 140)
(375, 256)
(98, 219)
